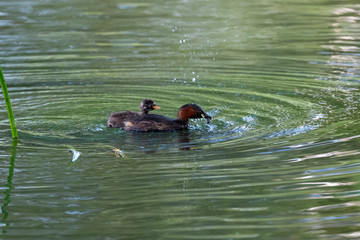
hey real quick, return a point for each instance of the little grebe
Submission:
(116, 120)
(154, 122)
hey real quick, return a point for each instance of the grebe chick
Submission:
(116, 120)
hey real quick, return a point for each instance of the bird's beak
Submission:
(156, 107)
(208, 117)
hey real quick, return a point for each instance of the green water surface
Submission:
(279, 160)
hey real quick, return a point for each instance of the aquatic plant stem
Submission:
(8, 105)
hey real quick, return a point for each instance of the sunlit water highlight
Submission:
(279, 160)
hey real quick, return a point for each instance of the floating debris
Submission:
(76, 154)
(119, 153)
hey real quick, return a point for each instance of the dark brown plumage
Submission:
(116, 120)
(154, 122)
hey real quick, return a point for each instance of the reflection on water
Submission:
(279, 158)
(8, 188)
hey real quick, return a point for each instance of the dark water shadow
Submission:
(151, 142)
(7, 192)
